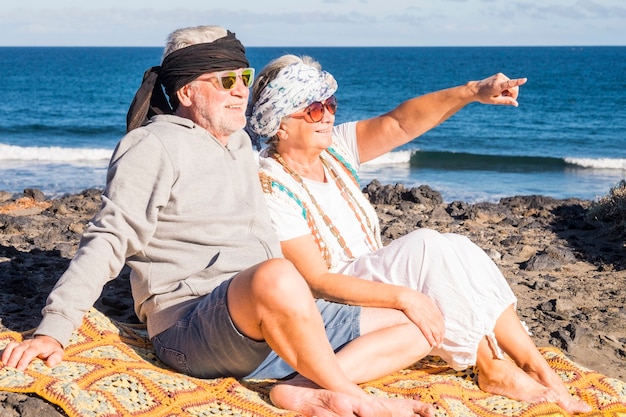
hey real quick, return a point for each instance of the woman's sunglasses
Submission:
(314, 112)
(228, 79)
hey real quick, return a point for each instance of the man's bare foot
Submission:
(310, 400)
(507, 379)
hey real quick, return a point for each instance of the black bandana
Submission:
(177, 70)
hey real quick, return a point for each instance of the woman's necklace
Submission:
(353, 203)
(350, 199)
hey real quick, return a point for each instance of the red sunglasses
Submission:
(314, 112)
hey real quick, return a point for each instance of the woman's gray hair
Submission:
(184, 37)
(269, 73)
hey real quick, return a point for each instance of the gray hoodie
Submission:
(183, 211)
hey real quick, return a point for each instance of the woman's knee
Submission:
(426, 244)
(423, 236)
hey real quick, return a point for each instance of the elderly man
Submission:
(184, 209)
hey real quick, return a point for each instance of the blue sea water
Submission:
(64, 109)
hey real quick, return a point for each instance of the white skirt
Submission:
(457, 275)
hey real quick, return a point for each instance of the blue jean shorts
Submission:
(206, 344)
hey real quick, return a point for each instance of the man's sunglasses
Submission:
(228, 79)
(314, 112)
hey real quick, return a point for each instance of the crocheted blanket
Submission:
(110, 369)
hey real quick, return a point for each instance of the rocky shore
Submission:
(568, 272)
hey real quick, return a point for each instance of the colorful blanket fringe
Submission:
(110, 369)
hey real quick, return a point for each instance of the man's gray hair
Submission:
(184, 37)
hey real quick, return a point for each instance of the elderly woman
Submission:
(444, 283)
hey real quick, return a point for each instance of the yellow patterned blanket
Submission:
(110, 369)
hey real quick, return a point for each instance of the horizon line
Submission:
(333, 46)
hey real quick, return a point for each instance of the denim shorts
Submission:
(206, 344)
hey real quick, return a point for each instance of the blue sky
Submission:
(319, 23)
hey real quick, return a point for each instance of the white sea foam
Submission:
(390, 158)
(397, 157)
(598, 163)
(52, 153)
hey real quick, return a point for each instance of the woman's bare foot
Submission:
(529, 374)
(503, 377)
(306, 398)
(548, 378)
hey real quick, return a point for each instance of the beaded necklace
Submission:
(350, 199)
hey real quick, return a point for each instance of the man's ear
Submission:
(184, 95)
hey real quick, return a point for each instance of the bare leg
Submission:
(389, 342)
(272, 302)
(530, 378)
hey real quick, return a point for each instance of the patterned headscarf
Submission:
(295, 86)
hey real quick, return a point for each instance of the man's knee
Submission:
(265, 292)
(277, 279)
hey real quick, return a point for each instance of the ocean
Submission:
(64, 109)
